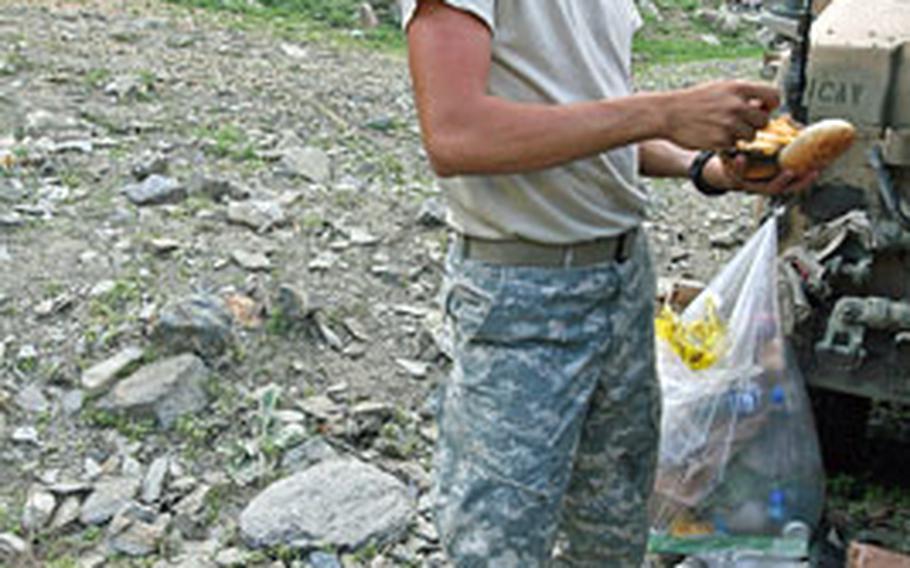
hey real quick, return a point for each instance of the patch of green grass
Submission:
(228, 141)
(678, 36)
(134, 430)
(332, 20)
(684, 50)
(97, 77)
(114, 306)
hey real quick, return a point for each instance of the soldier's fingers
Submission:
(743, 131)
(802, 182)
(755, 116)
(764, 94)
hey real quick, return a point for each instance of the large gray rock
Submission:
(166, 389)
(100, 376)
(155, 190)
(339, 503)
(107, 499)
(201, 323)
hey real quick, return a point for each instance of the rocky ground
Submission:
(220, 246)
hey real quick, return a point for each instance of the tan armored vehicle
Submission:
(846, 259)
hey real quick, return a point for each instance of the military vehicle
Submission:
(846, 243)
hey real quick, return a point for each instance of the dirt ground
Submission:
(93, 94)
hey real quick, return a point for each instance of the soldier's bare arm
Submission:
(467, 131)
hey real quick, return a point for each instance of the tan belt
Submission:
(526, 253)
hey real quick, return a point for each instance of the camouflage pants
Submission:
(548, 424)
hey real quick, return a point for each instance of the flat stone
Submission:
(163, 246)
(338, 503)
(232, 558)
(153, 482)
(416, 369)
(323, 261)
(362, 237)
(11, 219)
(64, 488)
(32, 400)
(102, 288)
(260, 215)
(201, 323)
(320, 407)
(189, 514)
(307, 162)
(155, 190)
(107, 499)
(12, 190)
(100, 376)
(41, 122)
(67, 513)
(72, 401)
(11, 547)
(166, 389)
(136, 531)
(26, 435)
(313, 451)
(321, 559)
(248, 260)
(39, 507)
(73, 146)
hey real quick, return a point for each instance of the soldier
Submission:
(548, 425)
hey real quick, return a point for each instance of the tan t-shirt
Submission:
(555, 52)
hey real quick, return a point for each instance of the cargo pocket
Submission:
(468, 306)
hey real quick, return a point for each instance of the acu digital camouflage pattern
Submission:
(548, 425)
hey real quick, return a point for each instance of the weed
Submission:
(196, 432)
(365, 554)
(279, 323)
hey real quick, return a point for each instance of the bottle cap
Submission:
(778, 395)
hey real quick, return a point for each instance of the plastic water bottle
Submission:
(745, 400)
(779, 399)
(777, 507)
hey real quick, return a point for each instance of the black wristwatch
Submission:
(697, 171)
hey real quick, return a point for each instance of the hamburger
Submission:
(785, 145)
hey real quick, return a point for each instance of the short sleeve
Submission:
(484, 10)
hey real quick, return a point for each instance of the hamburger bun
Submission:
(817, 146)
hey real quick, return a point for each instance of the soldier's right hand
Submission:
(713, 116)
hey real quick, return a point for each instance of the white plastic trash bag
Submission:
(739, 452)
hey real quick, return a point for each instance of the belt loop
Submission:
(625, 245)
(568, 256)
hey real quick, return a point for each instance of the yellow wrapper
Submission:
(699, 344)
